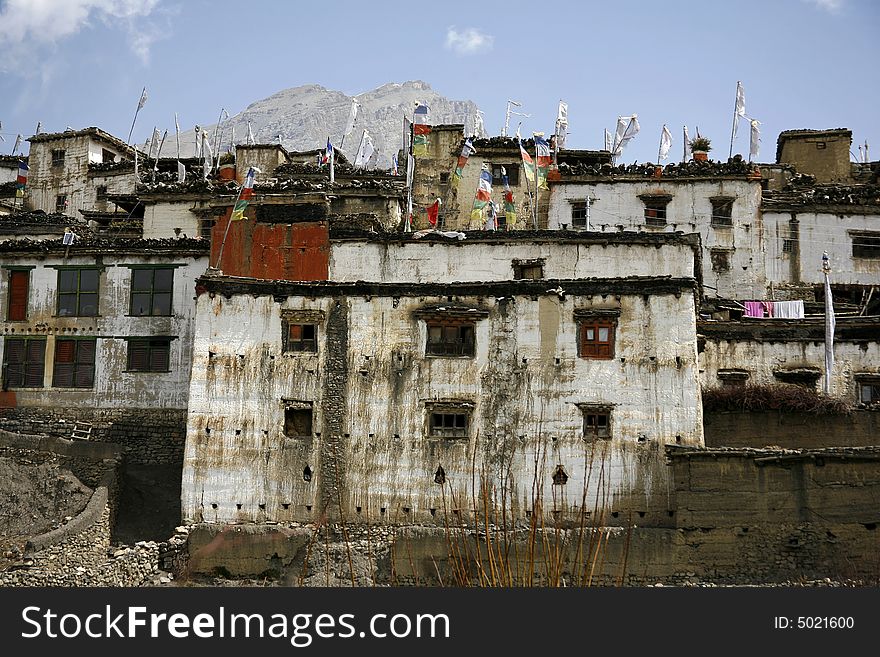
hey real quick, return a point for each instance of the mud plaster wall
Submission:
(474, 261)
(818, 232)
(617, 206)
(790, 430)
(524, 384)
(114, 386)
(761, 359)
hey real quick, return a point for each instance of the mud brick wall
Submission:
(790, 430)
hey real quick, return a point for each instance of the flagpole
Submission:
(228, 224)
(735, 115)
(407, 221)
(535, 204)
(158, 152)
(128, 141)
(829, 324)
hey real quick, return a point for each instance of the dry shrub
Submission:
(773, 398)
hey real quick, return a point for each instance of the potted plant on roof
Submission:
(700, 147)
(227, 166)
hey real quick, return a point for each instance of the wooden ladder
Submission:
(81, 431)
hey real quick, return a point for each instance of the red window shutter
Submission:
(18, 295)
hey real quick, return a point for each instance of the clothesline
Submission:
(776, 309)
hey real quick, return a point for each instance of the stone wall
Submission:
(146, 436)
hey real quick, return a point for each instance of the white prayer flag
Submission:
(740, 110)
(410, 167)
(607, 140)
(365, 151)
(181, 172)
(665, 142)
(479, 130)
(755, 139)
(632, 129)
(177, 134)
(622, 122)
(829, 324)
(39, 127)
(687, 145)
(17, 144)
(249, 140)
(352, 116)
(208, 155)
(143, 100)
(561, 124)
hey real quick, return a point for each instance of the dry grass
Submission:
(773, 398)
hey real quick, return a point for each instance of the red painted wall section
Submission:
(291, 252)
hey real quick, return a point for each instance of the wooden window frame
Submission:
(458, 338)
(78, 293)
(597, 419)
(82, 365)
(28, 364)
(149, 290)
(18, 298)
(522, 267)
(60, 203)
(594, 348)
(512, 174)
(722, 211)
(157, 357)
(655, 212)
(300, 343)
(865, 244)
(58, 157)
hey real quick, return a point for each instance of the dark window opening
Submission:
(597, 424)
(449, 425)
(61, 203)
(302, 337)
(107, 156)
(720, 260)
(722, 211)
(512, 174)
(531, 270)
(596, 339)
(452, 339)
(23, 362)
(866, 245)
(74, 364)
(205, 227)
(152, 355)
(297, 422)
(19, 282)
(78, 292)
(820, 145)
(787, 245)
(58, 157)
(444, 178)
(100, 192)
(151, 291)
(655, 210)
(869, 391)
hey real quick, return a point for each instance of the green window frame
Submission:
(151, 291)
(149, 355)
(78, 292)
(74, 365)
(24, 362)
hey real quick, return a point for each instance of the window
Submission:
(151, 291)
(61, 203)
(512, 174)
(787, 245)
(448, 423)
(450, 338)
(74, 363)
(23, 362)
(77, 292)
(579, 214)
(444, 178)
(820, 145)
(205, 227)
(597, 422)
(17, 303)
(298, 420)
(149, 355)
(302, 337)
(868, 389)
(655, 209)
(107, 156)
(100, 192)
(528, 269)
(58, 157)
(722, 211)
(733, 377)
(865, 245)
(720, 260)
(596, 338)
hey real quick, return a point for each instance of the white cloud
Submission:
(49, 21)
(832, 6)
(468, 41)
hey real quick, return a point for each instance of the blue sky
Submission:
(803, 63)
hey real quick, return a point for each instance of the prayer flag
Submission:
(484, 194)
(466, 151)
(829, 324)
(142, 101)
(542, 152)
(665, 143)
(509, 205)
(394, 169)
(181, 172)
(528, 164)
(561, 124)
(755, 139)
(352, 117)
(687, 145)
(740, 109)
(328, 152)
(421, 130)
(21, 180)
(246, 194)
(433, 213)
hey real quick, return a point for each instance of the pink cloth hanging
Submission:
(753, 309)
(768, 306)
